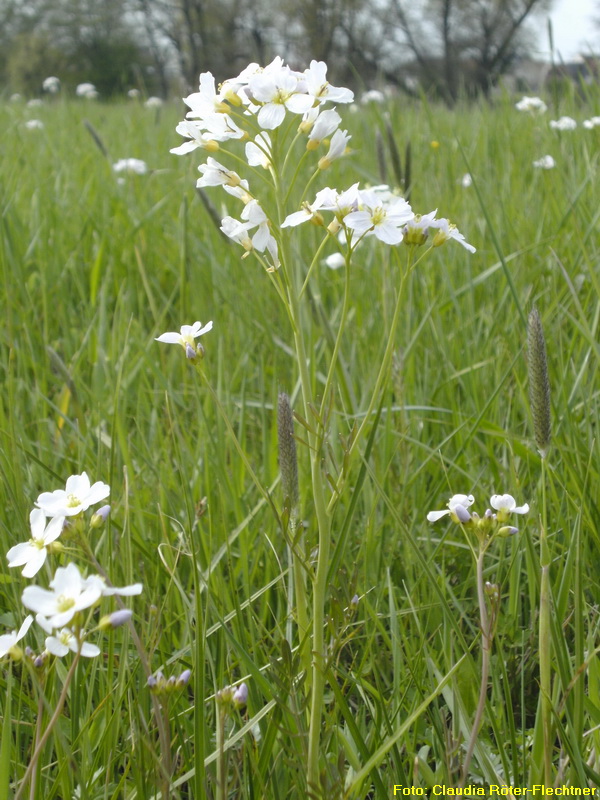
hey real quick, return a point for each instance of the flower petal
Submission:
(433, 516)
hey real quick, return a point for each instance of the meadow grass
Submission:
(92, 270)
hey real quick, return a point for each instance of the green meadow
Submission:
(94, 268)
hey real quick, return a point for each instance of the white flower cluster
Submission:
(458, 508)
(87, 90)
(57, 608)
(131, 166)
(563, 124)
(533, 105)
(377, 212)
(260, 98)
(591, 123)
(545, 162)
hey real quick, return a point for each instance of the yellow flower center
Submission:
(64, 603)
(73, 501)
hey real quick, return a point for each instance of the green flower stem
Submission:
(221, 755)
(315, 441)
(338, 340)
(381, 377)
(545, 648)
(49, 728)
(486, 651)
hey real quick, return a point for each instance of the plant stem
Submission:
(486, 650)
(221, 758)
(46, 735)
(545, 639)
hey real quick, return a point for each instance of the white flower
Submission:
(532, 104)
(325, 125)
(133, 94)
(51, 84)
(372, 96)
(563, 124)
(591, 123)
(70, 594)
(65, 640)
(318, 87)
(258, 152)
(97, 582)
(34, 125)
(466, 180)
(206, 101)
(335, 261)
(206, 133)
(457, 508)
(186, 337)
(215, 174)
(337, 148)
(133, 166)
(33, 553)
(545, 162)
(35, 102)
(446, 230)
(77, 496)
(505, 505)
(87, 90)
(380, 220)
(277, 90)
(262, 239)
(416, 230)
(154, 102)
(9, 640)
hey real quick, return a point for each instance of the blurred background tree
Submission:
(444, 47)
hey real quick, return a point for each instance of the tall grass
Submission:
(92, 271)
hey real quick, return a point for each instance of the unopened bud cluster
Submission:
(162, 686)
(233, 697)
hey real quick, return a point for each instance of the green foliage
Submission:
(92, 270)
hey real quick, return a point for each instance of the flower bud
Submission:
(184, 678)
(460, 514)
(116, 619)
(240, 696)
(99, 518)
(507, 530)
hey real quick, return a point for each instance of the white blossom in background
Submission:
(335, 261)
(8, 641)
(87, 90)
(154, 102)
(545, 162)
(133, 94)
(69, 593)
(534, 105)
(32, 554)
(593, 122)
(466, 181)
(372, 96)
(51, 85)
(35, 102)
(34, 125)
(16, 97)
(132, 166)
(563, 124)
(77, 496)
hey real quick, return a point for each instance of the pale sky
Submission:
(573, 28)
